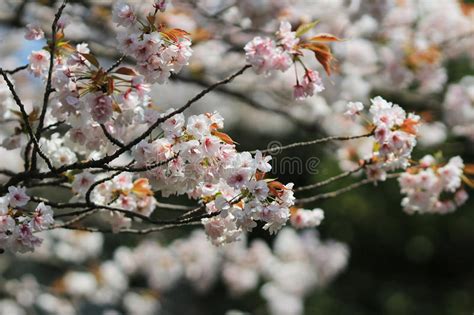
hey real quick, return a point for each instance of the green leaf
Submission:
(304, 28)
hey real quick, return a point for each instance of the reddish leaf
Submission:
(468, 181)
(110, 85)
(223, 136)
(276, 188)
(92, 59)
(126, 71)
(323, 37)
(409, 126)
(141, 187)
(469, 169)
(66, 46)
(175, 34)
(59, 36)
(151, 19)
(116, 108)
(293, 210)
(324, 56)
(259, 175)
(239, 204)
(214, 126)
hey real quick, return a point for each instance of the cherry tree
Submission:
(100, 154)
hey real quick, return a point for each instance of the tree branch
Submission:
(48, 89)
(337, 192)
(25, 119)
(329, 180)
(278, 149)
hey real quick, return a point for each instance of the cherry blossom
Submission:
(304, 218)
(430, 188)
(38, 62)
(33, 32)
(17, 196)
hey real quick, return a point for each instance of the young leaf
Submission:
(223, 136)
(469, 169)
(126, 71)
(116, 108)
(276, 188)
(175, 34)
(468, 181)
(322, 53)
(304, 28)
(324, 38)
(141, 187)
(110, 85)
(151, 19)
(92, 59)
(409, 125)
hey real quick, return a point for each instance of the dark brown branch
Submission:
(110, 137)
(116, 64)
(25, 119)
(97, 183)
(53, 126)
(17, 69)
(7, 173)
(48, 89)
(76, 219)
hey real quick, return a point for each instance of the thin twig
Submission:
(329, 180)
(337, 192)
(48, 89)
(170, 206)
(115, 64)
(73, 220)
(278, 149)
(17, 69)
(132, 231)
(110, 137)
(25, 119)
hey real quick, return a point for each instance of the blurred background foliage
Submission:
(400, 264)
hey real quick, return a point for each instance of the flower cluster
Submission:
(205, 165)
(59, 153)
(304, 218)
(158, 51)
(87, 96)
(17, 224)
(395, 136)
(394, 133)
(431, 188)
(267, 55)
(33, 32)
(121, 193)
(458, 107)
